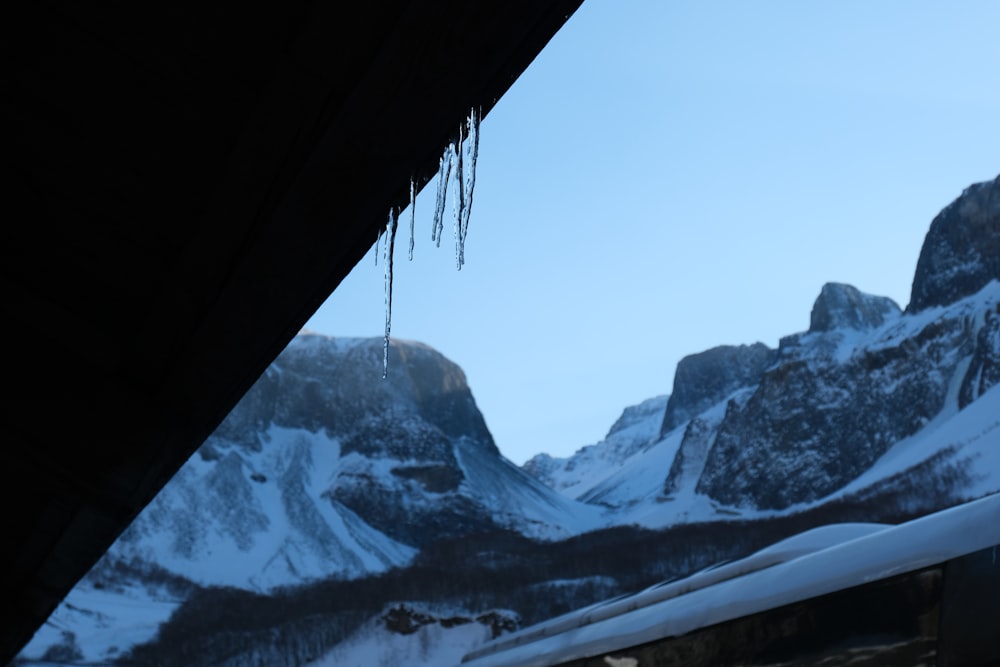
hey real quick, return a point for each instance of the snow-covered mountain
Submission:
(841, 412)
(327, 469)
(869, 393)
(326, 472)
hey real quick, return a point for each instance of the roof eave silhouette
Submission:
(185, 184)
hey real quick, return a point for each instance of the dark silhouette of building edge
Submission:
(184, 185)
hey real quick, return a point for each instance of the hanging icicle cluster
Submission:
(456, 171)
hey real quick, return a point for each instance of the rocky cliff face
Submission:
(864, 378)
(984, 368)
(336, 386)
(842, 306)
(832, 404)
(702, 380)
(961, 252)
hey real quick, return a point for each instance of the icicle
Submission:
(390, 242)
(470, 174)
(444, 173)
(458, 161)
(413, 213)
(459, 200)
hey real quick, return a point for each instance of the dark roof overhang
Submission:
(185, 183)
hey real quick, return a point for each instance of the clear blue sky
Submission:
(668, 176)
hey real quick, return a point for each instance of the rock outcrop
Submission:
(702, 380)
(335, 385)
(841, 306)
(961, 252)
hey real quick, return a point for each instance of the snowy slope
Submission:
(638, 491)
(429, 638)
(638, 426)
(256, 519)
(968, 440)
(520, 502)
(97, 625)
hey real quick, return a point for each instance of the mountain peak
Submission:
(335, 384)
(841, 306)
(961, 252)
(635, 414)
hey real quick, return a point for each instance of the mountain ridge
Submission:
(830, 401)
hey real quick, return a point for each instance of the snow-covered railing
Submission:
(780, 552)
(813, 563)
